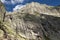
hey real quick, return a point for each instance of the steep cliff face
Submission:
(2, 11)
(33, 22)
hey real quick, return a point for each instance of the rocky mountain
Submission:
(2, 11)
(34, 21)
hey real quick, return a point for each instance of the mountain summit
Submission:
(32, 22)
(40, 8)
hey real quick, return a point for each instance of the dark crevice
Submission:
(4, 16)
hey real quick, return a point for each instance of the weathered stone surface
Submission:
(33, 22)
(2, 11)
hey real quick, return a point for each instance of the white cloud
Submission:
(16, 1)
(6, 2)
(2, 0)
(18, 7)
(12, 1)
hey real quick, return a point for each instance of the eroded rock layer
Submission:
(33, 22)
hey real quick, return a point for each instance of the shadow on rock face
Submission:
(46, 26)
(42, 27)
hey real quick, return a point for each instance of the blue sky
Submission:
(11, 4)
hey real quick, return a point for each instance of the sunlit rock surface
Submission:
(33, 22)
(2, 11)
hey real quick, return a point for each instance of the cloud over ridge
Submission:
(18, 7)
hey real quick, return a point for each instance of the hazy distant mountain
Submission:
(32, 22)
